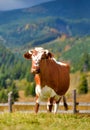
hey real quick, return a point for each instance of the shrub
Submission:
(3, 96)
(83, 86)
(30, 90)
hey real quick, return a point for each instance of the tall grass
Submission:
(44, 121)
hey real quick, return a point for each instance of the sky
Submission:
(17, 4)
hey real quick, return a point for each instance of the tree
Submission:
(85, 62)
(83, 86)
(3, 77)
(29, 77)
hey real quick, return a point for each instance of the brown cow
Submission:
(50, 76)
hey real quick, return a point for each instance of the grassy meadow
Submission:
(44, 121)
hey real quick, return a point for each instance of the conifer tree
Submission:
(83, 86)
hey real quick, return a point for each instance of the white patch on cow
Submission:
(60, 63)
(47, 92)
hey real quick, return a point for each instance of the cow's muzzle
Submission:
(35, 71)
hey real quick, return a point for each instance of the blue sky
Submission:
(16, 4)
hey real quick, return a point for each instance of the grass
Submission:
(44, 121)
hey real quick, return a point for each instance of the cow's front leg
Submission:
(37, 104)
(38, 93)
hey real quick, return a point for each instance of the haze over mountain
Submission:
(17, 4)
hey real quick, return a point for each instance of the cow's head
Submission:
(36, 55)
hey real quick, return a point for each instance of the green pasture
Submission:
(44, 121)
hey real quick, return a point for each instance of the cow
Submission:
(51, 77)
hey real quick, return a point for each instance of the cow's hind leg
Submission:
(56, 105)
(65, 103)
(50, 104)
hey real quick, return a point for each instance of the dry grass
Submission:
(23, 98)
(43, 121)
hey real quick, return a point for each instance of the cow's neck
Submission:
(46, 73)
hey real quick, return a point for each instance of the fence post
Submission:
(10, 101)
(74, 102)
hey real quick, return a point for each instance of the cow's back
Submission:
(54, 75)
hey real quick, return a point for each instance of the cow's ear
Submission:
(50, 55)
(27, 55)
(47, 55)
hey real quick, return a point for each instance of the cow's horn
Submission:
(30, 51)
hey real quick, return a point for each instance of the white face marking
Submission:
(36, 57)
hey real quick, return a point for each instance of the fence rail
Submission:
(74, 106)
(24, 105)
(87, 104)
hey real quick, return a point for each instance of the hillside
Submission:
(45, 22)
(11, 67)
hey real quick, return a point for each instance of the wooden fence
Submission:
(74, 106)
